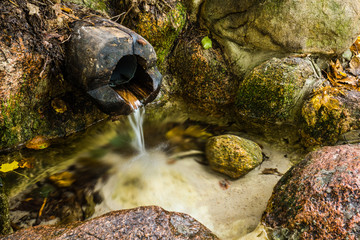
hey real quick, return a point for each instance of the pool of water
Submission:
(165, 166)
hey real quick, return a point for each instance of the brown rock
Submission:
(149, 222)
(319, 198)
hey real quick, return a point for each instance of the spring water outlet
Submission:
(113, 64)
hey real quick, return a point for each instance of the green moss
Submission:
(268, 92)
(162, 31)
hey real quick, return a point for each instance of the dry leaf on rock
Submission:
(355, 65)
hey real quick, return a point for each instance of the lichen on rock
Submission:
(232, 155)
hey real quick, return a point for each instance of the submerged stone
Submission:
(275, 90)
(232, 155)
(149, 222)
(319, 198)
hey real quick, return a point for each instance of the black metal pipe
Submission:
(113, 64)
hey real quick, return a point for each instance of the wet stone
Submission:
(149, 222)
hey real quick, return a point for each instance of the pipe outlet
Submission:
(113, 64)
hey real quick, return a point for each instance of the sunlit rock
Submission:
(252, 31)
(275, 90)
(232, 155)
(139, 223)
(319, 197)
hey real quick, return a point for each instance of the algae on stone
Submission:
(232, 155)
(161, 30)
(275, 90)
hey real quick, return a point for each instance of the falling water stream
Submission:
(136, 121)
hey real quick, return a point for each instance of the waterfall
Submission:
(136, 120)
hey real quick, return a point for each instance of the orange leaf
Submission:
(337, 70)
(38, 142)
(356, 46)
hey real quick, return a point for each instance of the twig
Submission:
(66, 39)
(117, 16)
(3, 54)
(42, 207)
(21, 174)
(14, 3)
(167, 4)
(126, 14)
(44, 67)
(41, 3)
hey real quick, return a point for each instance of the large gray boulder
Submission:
(252, 31)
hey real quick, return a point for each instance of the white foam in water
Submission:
(136, 120)
(186, 186)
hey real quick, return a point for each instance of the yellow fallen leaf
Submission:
(64, 179)
(197, 132)
(7, 167)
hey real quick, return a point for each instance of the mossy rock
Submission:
(201, 77)
(318, 198)
(35, 98)
(275, 90)
(159, 24)
(232, 155)
(329, 113)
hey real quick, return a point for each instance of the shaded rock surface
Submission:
(139, 223)
(319, 197)
(324, 27)
(232, 155)
(5, 227)
(201, 77)
(275, 90)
